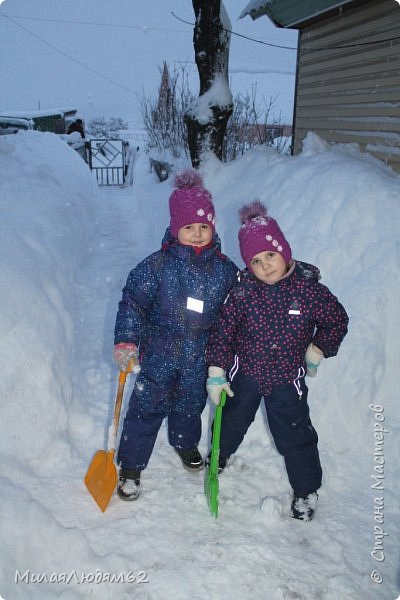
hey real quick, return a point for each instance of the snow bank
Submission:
(340, 210)
(47, 202)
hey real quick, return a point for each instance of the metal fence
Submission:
(107, 158)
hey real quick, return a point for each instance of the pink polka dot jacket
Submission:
(265, 329)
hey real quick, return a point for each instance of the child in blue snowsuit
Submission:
(168, 305)
(277, 324)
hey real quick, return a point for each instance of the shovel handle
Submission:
(216, 435)
(118, 402)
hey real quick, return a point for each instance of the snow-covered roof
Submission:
(255, 8)
(290, 13)
(17, 121)
(31, 114)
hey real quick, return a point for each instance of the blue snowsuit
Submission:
(168, 305)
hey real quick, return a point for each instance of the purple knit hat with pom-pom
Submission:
(260, 233)
(190, 202)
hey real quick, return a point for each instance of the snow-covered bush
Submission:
(163, 116)
(100, 127)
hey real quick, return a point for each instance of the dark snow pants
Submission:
(289, 421)
(175, 398)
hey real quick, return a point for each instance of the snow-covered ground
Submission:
(66, 248)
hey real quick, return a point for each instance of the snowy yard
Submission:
(67, 247)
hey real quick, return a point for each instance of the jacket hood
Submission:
(307, 270)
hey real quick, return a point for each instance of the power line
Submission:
(143, 28)
(75, 60)
(240, 35)
(309, 49)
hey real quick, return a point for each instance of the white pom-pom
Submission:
(188, 179)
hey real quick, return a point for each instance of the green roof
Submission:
(291, 13)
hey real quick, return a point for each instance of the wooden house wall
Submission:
(348, 80)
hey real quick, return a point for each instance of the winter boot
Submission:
(222, 462)
(128, 484)
(303, 507)
(191, 458)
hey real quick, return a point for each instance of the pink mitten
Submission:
(123, 353)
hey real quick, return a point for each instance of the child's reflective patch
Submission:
(293, 311)
(196, 305)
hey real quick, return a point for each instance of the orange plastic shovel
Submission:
(101, 477)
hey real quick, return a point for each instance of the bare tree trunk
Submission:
(207, 117)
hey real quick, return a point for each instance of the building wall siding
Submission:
(348, 80)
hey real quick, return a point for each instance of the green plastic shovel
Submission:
(211, 481)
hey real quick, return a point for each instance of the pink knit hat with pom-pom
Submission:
(190, 202)
(260, 233)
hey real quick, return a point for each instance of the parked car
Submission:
(10, 125)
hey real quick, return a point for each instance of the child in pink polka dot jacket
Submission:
(277, 325)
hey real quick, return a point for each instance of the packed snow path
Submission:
(254, 550)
